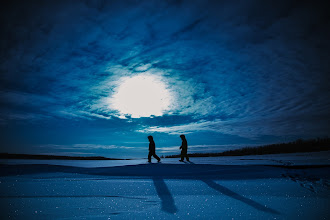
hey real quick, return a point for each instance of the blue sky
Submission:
(225, 73)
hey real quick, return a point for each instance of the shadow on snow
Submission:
(165, 196)
(158, 172)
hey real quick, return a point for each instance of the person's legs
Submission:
(155, 156)
(149, 156)
(183, 154)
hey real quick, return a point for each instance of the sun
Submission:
(141, 96)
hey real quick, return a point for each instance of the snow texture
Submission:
(287, 186)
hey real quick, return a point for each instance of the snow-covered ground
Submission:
(288, 186)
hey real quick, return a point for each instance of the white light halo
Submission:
(143, 95)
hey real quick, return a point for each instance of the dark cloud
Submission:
(243, 68)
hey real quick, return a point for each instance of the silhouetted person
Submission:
(152, 149)
(184, 148)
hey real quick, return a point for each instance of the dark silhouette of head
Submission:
(150, 138)
(182, 136)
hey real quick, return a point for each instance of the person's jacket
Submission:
(152, 146)
(184, 145)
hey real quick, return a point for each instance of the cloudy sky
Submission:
(97, 77)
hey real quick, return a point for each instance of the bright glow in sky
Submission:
(141, 96)
(175, 67)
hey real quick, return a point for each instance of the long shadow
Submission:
(236, 196)
(164, 194)
(203, 172)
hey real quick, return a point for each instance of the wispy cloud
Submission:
(188, 96)
(248, 127)
(216, 72)
(69, 153)
(264, 72)
(83, 147)
(200, 148)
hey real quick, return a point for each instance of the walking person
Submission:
(184, 148)
(152, 149)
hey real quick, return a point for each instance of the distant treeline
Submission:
(50, 157)
(313, 145)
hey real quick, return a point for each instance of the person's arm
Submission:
(184, 145)
(152, 146)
